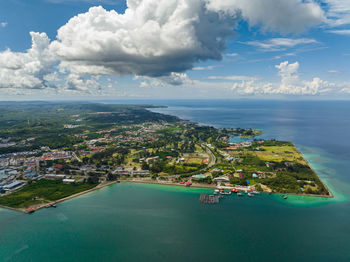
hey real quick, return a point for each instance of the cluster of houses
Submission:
(225, 178)
(122, 171)
(6, 142)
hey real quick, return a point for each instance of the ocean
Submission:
(138, 222)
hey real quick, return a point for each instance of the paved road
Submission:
(212, 157)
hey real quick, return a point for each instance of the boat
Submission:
(188, 184)
(285, 197)
(239, 194)
(255, 192)
(225, 192)
(30, 210)
(53, 205)
(250, 194)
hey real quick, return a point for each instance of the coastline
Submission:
(40, 206)
(102, 185)
(207, 186)
(329, 191)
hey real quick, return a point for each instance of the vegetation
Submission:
(110, 142)
(42, 191)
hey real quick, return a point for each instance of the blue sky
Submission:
(72, 49)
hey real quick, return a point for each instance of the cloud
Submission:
(83, 1)
(78, 83)
(290, 84)
(203, 68)
(3, 24)
(155, 39)
(174, 79)
(278, 44)
(338, 13)
(340, 32)
(285, 16)
(152, 38)
(233, 78)
(232, 54)
(28, 69)
(334, 71)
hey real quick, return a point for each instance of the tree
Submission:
(93, 179)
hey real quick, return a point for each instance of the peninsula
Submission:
(53, 151)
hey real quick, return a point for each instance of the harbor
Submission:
(221, 193)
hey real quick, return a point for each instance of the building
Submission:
(200, 176)
(53, 176)
(122, 172)
(13, 185)
(222, 179)
(141, 173)
(68, 181)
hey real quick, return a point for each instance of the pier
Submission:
(208, 199)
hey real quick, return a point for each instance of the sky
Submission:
(168, 49)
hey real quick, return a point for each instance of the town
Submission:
(128, 143)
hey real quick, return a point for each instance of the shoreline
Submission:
(205, 186)
(195, 185)
(329, 191)
(40, 206)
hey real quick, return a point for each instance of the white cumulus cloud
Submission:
(152, 38)
(155, 39)
(290, 83)
(286, 16)
(27, 69)
(277, 44)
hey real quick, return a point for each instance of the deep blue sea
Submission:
(136, 222)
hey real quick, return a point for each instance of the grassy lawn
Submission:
(280, 153)
(194, 160)
(44, 190)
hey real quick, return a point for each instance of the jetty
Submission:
(208, 199)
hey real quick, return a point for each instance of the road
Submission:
(212, 157)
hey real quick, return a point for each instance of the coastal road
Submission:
(212, 161)
(76, 157)
(212, 157)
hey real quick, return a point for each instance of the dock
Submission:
(208, 199)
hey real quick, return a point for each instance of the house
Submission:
(53, 176)
(222, 179)
(288, 164)
(152, 159)
(122, 172)
(68, 181)
(13, 185)
(200, 176)
(59, 166)
(254, 175)
(141, 173)
(261, 174)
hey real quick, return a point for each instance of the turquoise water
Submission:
(138, 222)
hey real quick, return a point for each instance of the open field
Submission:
(42, 191)
(280, 153)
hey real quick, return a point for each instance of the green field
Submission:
(42, 191)
(281, 153)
